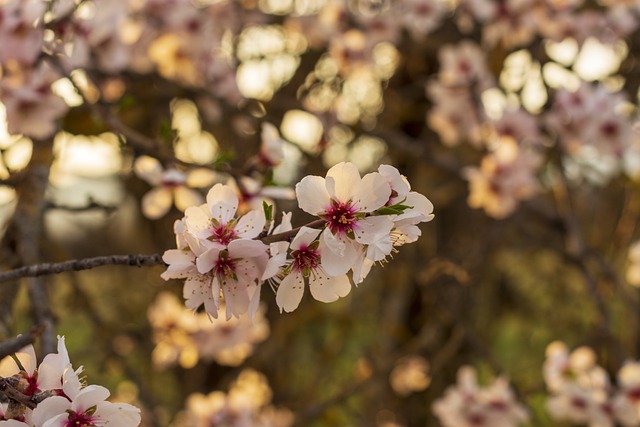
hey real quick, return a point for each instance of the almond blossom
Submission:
(345, 201)
(306, 266)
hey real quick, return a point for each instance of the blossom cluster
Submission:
(582, 393)
(184, 338)
(62, 397)
(360, 221)
(466, 404)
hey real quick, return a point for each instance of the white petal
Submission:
(251, 224)
(88, 397)
(304, 237)
(157, 202)
(274, 265)
(197, 219)
(342, 179)
(290, 292)
(421, 206)
(254, 303)
(49, 408)
(27, 357)
(373, 228)
(362, 269)
(398, 182)
(337, 263)
(312, 195)
(187, 197)
(372, 192)
(328, 289)
(223, 202)
(118, 414)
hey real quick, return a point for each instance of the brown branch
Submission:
(79, 265)
(13, 345)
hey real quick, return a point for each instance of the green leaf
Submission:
(268, 211)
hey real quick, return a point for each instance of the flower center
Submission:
(223, 233)
(225, 266)
(79, 419)
(340, 217)
(306, 259)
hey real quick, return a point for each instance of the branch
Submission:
(13, 345)
(79, 265)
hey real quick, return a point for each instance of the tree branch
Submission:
(79, 265)
(13, 345)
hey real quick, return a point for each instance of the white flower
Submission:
(344, 200)
(271, 150)
(306, 264)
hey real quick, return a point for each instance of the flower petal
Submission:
(118, 414)
(342, 179)
(148, 169)
(336, 263)
(312, 195)
(223, 202)
(328, 289)
(251, 224)
(371, 193)
(290, 292)
(305, 236)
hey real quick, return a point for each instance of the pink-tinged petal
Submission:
(89, 396)
(290, 292)
(71, 382)
(245, 248)
(304, 237)
(118, 414)
(13, 423)
(337, 263)
(251, 224)
(187, 197)
(312, 195)
(61, 420)
(328, 289)
(157, 202)
(198, 221)
(207, 260)
(195, 291)
(373, 228)
(372, 192)
(49, 408)
(342, 179)
(236, 297)
(148, 169)
(223, 202)
(399, 183)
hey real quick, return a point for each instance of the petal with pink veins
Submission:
(342, 179)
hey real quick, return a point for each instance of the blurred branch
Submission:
(80, 264)
(13, 345)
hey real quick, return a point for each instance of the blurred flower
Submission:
(247, 404)
(170, 186)
(505, 176)
(633, 268)
(410, 375)
(467, 405)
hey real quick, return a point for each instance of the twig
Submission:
(79, 265)
(13, 345)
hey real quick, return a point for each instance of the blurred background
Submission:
(516, 118)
